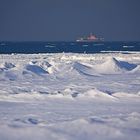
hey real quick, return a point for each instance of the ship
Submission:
(90, 38)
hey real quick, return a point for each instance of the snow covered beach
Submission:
(70, 96)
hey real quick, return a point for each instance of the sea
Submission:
(7, 47)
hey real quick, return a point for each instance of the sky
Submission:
(66, 20)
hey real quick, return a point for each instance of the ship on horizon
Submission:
(90, 38)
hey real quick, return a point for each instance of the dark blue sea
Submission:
(67, 47)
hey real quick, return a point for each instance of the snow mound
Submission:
(46, 64)
(126, 95)
(10, 75)
(8, 71)
(9, 65)
(84, 69)
(136, 70)
(6, 66)
(35, 69)
(113, 66)
(110, 66)
(97, 94)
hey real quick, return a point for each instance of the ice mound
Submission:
(46, 64)
(127, 95)
(6, 66)
(84, 69)
(9, 65)
(113, 66)
(10, 75)
(110, 66)
(97, 94)
(70, 92)
(35, 69)
(7, 71)
(136, 70)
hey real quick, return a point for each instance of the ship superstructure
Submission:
(90, 38)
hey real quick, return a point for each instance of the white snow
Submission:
(70, 96)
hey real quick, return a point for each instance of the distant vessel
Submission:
(90, 38)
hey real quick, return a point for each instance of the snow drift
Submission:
(110, 66)
(113, 66)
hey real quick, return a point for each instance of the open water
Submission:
(67, 47)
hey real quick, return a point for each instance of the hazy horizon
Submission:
(64, 20)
